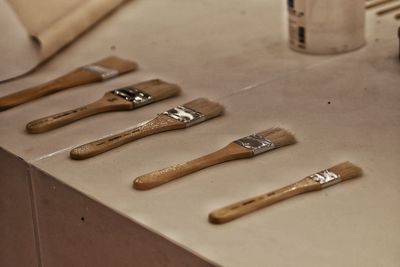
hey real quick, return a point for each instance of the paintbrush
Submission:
(180, 117)
(246, 147)
(388, 10)
(126, 98)
(317, 181)
(104, 69)
(376, 3)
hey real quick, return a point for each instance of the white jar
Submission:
(326, 26)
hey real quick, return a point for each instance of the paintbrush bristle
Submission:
(279, 137)
(206, 107)
(122, 65)
(158, 89)
(346, 170)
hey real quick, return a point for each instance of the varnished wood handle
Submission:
(108, 102)
(244, 207)
(160, 124)
(231, 152)
(55, 121)
(69, 80)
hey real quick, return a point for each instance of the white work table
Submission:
(86, 213)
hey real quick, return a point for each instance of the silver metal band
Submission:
(256, 143)
(326, 178)
(103, 72)
(186, 115)
(134, 95)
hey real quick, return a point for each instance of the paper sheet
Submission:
(34, 30)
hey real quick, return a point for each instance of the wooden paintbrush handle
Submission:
(230, 152)
(75, 78)
(55, 121)
(244, 207)
(108, 103)
(160, 124)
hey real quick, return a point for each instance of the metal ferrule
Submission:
(134, 95)
(326, 178)
(103, 72)
(256, 143)
(186, 115)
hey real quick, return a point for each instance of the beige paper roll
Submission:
(71, 26)
(52, 24)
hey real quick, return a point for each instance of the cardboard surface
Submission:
(350, 214)
(341, 108)
(78, 231)
(18, 243)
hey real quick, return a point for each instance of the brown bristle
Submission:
(346, 170)
(278, 136)
(158, 89)
(206, 107)
(122, 65)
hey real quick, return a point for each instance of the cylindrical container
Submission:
(326, 26)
